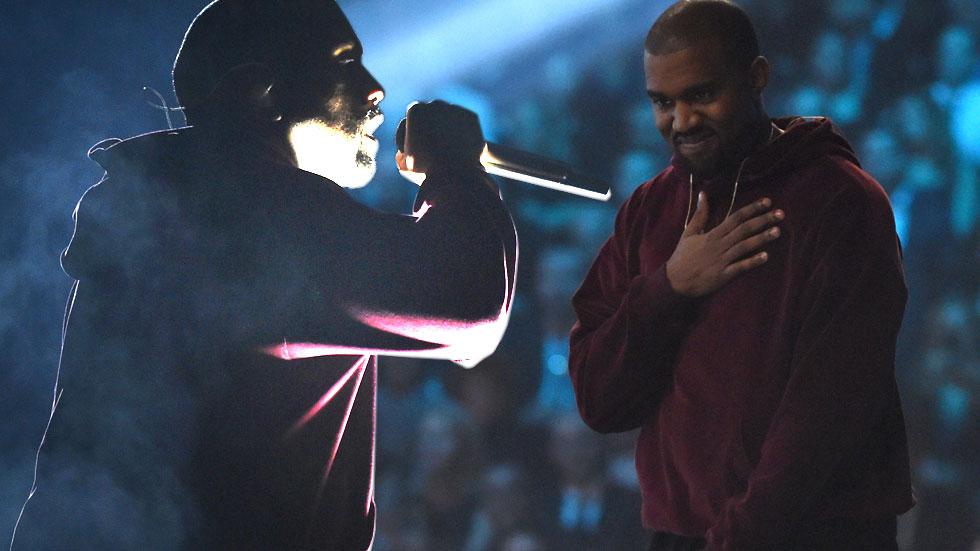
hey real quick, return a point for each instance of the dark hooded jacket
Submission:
(217, 387)
(769, 407)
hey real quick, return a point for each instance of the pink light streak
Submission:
(462, 341)
(327, 397)
(466, 342)
(374, 424)
(357, 369)
(359, 366)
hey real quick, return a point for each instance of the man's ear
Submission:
(759, 72)
(249, 90)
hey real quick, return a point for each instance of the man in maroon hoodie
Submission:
(750, 333)
(217, 389)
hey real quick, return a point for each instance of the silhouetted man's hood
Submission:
(146, 209)
(116, 219)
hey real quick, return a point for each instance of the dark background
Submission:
(466, 458)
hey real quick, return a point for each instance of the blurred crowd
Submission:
(497, 459)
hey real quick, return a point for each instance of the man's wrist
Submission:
(672, 285)
(654, 295)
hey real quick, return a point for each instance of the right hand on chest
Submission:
(704, 261)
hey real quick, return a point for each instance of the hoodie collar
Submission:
(249, 144)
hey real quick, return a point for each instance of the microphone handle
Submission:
(515, 164)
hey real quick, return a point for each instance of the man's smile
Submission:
(695, 144)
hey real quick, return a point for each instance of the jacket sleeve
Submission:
(437, 284)
(841, 377)
(628, 331)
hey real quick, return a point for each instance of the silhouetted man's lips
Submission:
(373, 121)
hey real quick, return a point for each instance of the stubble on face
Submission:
(338, 144)
(356, 122)
(333, 134)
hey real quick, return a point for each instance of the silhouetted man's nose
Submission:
(375, 92)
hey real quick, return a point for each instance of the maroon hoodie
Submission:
(770, 405)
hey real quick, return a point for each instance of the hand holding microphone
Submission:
(438, 135)
(442, 134)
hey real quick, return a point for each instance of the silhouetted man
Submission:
(218, 379)
(750, 334)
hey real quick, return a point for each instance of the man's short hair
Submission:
(230, 33)
(689, 22)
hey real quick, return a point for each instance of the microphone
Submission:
(522, 166)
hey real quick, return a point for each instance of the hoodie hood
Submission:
(118, 219)
(803, 139)
(158, 196)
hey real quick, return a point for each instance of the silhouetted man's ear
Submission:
(249, 91)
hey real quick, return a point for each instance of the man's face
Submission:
(702, 105)
(333, 110)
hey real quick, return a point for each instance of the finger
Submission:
(700, 218)
(748, 246)
(443, 133)
(401, 160)
(754, 226)
(742, 266)
(400, 135)
(743, 214)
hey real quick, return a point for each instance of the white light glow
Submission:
(415, 177)
(550, 184)
(489, 163)
(417, 215)
(346, 159)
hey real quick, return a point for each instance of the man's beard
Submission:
(366, 166)
(338, 152)
(727, 156)
(365, 159)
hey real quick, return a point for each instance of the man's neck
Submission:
(758, 135)
(264, 138)
(761, 134)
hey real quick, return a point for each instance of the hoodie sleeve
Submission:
(287, 262)
(841, 376)
(628, 331)
(437, 284)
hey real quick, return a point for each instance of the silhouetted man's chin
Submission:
(366, 170)
(348, 160)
